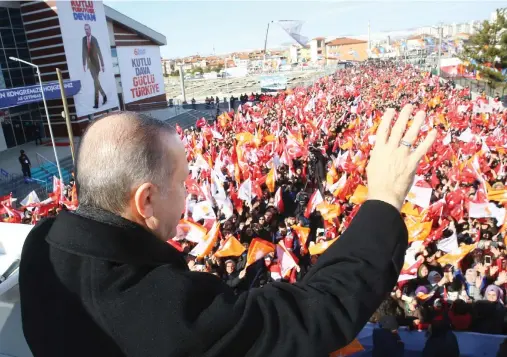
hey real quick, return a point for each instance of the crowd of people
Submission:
(276, 182)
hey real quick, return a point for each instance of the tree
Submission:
(486, 50)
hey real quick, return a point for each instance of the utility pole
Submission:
(440, 35)
(265, 45)
(66, 114)
(182, 83)
(369, 36)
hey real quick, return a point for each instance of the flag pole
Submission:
(66, 114)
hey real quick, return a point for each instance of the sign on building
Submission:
(141, 72)
(86, 40)
(23, 95)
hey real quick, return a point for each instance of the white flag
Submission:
(466, 136)
(285, 259)
(448, 245)
(31, 198)
(447, 139)
(203, 210)
(420, 196)
(245, 191)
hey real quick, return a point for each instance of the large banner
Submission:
(86, 40)
(273, 83)
(141, 72)
(23, 95)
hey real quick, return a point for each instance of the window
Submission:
(4, 18)
(16, 18)
(3, 59)
(29, 77)
(11, 52)
(7, 37)
(20, 38)
(17, 78)
(23, 53)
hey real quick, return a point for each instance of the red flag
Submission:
(315, 199)
(200, 123)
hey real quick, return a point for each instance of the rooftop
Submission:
(342, 41)
(138, 27)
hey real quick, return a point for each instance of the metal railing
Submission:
(147, 106)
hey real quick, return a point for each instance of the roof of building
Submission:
(342, 41)
(138, 27)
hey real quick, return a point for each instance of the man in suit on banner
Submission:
(91, 57)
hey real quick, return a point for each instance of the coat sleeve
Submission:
(323, 312)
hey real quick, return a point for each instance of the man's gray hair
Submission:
(117, 153)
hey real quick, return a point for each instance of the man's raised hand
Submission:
(393, 163)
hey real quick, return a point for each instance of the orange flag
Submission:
(503, 229)
(204, 248)
(410, 210)
(347, 145)
(360, 195)
(319, 248)
(244, 138)
(332, 176)
(455, 257)
(269, 138)
(231, 248)
(417, 230)
(497, 195)
(328, 211)
(353, 347)
(271, 179)
(258, 249)
(302, 233)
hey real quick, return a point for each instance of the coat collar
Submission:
(103, 235)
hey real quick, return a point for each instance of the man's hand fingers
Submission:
(413, 131)
(400, 126)
(423, 148)
(385, 124)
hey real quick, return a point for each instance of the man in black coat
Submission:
(25, 164)
(104, 282)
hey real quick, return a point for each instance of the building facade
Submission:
(318, 50)
(32, 31)
(346, 49)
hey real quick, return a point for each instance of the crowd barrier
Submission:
(470, 344)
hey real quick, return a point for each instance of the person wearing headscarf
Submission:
(494, 294)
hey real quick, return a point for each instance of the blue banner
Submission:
(23, 95)
(471, 344)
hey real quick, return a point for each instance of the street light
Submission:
(47, 117)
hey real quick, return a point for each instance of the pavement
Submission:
(236, 86)
(37, 154)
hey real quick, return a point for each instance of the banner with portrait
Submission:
(141, 72)
(87, 48)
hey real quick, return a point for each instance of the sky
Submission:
(208, 27)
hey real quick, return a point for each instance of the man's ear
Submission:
(143, 200)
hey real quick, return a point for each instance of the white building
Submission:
(450, 30)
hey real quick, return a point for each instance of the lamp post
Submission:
(47, 117)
